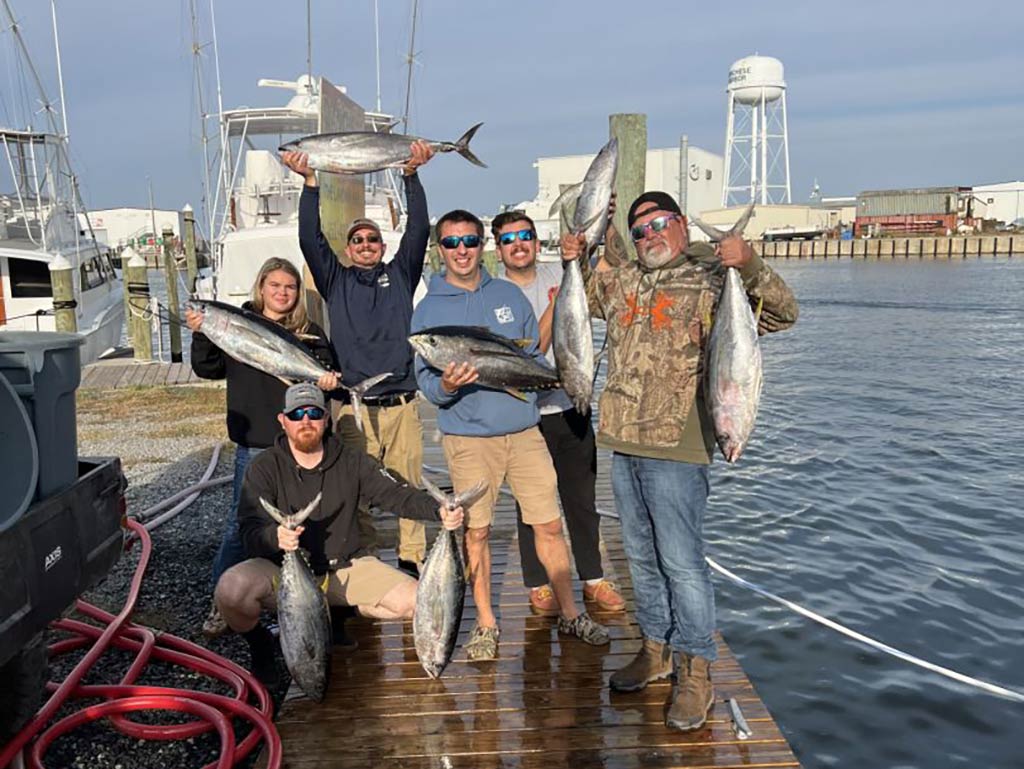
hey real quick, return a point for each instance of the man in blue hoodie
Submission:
(370, 305)
(491, 434)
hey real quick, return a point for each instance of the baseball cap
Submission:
(362, 224)
(662, 201)
(302, 394)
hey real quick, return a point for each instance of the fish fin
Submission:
(466, 498)
(325, 582)
(501, 353)
(516, 393)
(357, 392)
(523, 343)
(275, 582)
(304, 513)
(566, 198)
(583, 227)
(757, 310)
(287, 382)
(741, 223)
(274, 513)
(435, 492)
(718, 235)
(307, 337)
(462, 147)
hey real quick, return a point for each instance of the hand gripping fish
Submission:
(302, 613)
(269, 347)
(442, 589)
(734, 374)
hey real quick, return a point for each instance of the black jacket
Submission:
(254, 398)
(347, 476)
(370, 310)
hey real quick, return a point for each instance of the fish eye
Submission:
(431, 340)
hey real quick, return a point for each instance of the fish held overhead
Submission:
(363, 152)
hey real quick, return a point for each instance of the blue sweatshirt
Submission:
(502, 308)
(370, 309)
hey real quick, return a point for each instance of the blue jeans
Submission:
(231, 551)
(661, 504)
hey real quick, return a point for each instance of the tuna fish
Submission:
(269, 347)
(734, 375)
(500, 361)
(363, 152)
(573, 339)
(302, 613)
(442, 589)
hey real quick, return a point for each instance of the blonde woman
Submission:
(254, 398)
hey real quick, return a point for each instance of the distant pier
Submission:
(956, 247)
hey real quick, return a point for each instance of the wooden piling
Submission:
(188, 237)
(137, 287)
(173, 308)
(64, 304)
(631, 131)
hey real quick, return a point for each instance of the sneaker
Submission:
(482, 643)
(605, 594)
(543, 602)
(585, 629)
(409, 567)
(214, 625)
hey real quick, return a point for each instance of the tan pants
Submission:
(393, 435)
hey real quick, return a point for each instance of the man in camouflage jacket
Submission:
(654, 418)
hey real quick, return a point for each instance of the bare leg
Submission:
(240, 594)
(478, 553)
(398, 603)
(553, 553)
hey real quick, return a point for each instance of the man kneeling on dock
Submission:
(306, 461)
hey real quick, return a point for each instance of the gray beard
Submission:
(656, 257)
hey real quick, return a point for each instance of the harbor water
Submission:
(882, 489)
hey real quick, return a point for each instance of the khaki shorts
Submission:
(521, 458)
(363, 583)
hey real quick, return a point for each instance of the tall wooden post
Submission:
(174, 309)
(64, 304)
(137, 286)
(188, 237)
(631, 131)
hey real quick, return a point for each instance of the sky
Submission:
(880, 94)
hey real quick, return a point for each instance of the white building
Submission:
(122, 226)
(1004, 202)
(700, 184)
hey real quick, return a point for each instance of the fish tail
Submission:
(462, 146)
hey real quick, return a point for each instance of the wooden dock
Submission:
(127, 372)
(544, 703)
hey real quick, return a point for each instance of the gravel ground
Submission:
(165, 438)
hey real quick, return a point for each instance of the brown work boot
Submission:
(543, 601)
(694, 697)
(652, 662)
(605, 594)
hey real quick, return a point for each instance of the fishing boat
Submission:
(40, 230)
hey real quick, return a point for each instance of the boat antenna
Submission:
(197, 69)
(376, 32)
(410, 60)
(309, 46)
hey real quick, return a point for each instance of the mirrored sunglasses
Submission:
(659, 223)
(357, 240)
(452, 241)
(313, 412)
(507, 238)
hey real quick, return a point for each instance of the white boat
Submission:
(256, 205)
(39, 230)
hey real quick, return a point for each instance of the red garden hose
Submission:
(213, 712)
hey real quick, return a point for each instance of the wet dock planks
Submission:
(544, 703)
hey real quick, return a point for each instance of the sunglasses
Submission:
(452, 241)
(357, 240)
(639, 232)
(507, 238)
(313, 412)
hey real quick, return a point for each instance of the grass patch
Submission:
(162, 404)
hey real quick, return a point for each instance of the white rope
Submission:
(999, 691)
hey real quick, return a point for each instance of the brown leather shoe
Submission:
(694, 697)
(543, 602)
(653, 661)
(605, 594)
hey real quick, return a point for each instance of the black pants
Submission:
(570, 439)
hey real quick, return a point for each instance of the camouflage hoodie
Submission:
(659, 322)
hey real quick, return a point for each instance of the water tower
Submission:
(756, 137)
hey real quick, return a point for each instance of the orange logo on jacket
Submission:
(658, 311)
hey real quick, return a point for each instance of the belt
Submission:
(392, 399)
